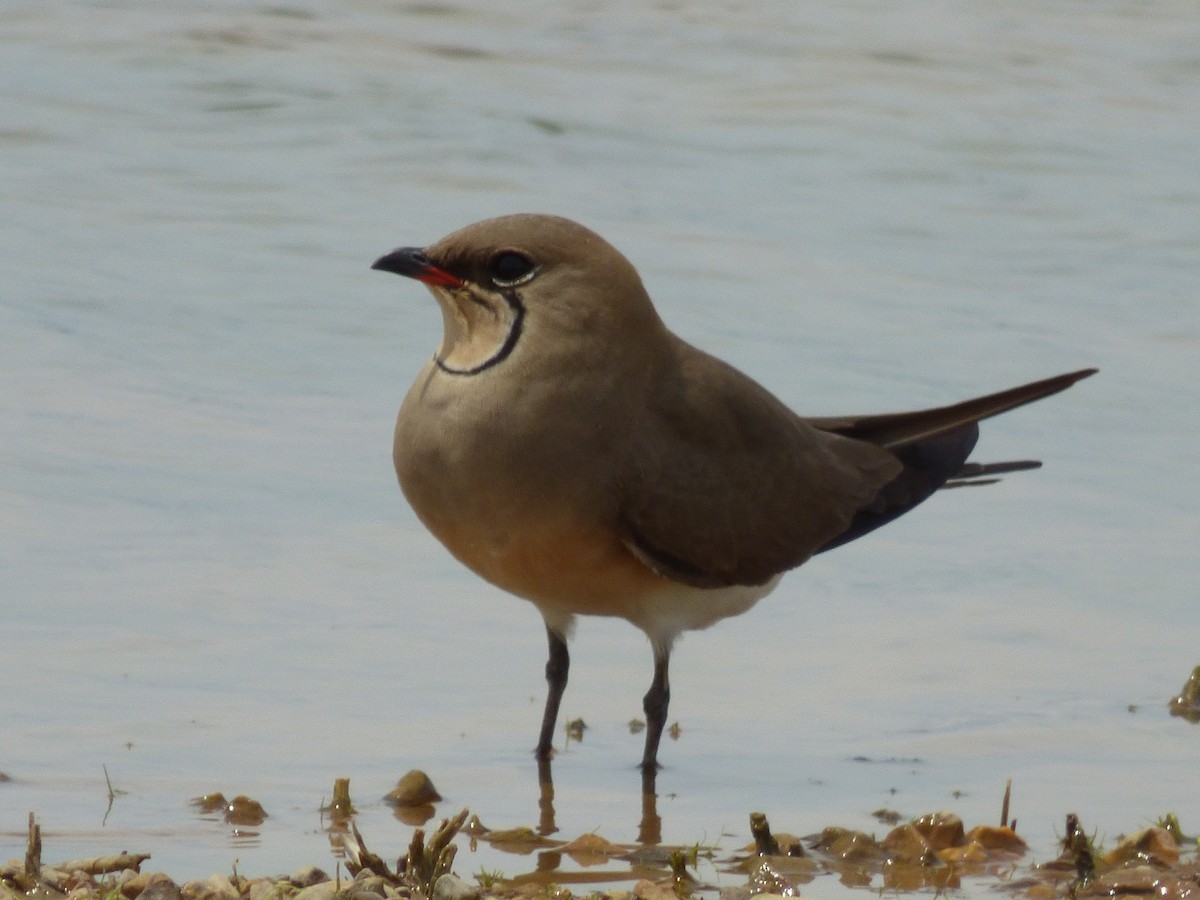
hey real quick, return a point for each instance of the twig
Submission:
(764, 843)
(426, 863)
(33, 850)
(104, 865)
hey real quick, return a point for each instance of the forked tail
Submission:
(933, 445)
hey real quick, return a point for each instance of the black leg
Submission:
(557, 667)
(655, 704)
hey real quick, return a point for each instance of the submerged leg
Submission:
(655, 704)
(557, 667)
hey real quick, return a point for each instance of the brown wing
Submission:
(727, 486)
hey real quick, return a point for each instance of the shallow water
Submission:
(210, 581)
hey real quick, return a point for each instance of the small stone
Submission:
(766, 879)
(648, 890)
(210, 803)
(971, 852)
(307, 877)
(366, 882)
(215, 887)
(1144, 881)
(161, 889)
(996, 837)
(326, 890)
(941, 830)
(1150, 845)
(243, 810)
(591, 850)
(131, 887)
(61, 880)
(848, 845)
(451, 887)
(266, 889)
(414, 789)
(151, 886)
(1187, 704)
(906, 843)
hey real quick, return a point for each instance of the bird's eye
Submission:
(509, 268)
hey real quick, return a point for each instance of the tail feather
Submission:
(975, 474)
(893, 430)
(933, 446)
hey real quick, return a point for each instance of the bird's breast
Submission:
(510, 491)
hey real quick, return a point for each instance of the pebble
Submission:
(941, 830)
(649, 890)
(906, 843)
(152, 886)
(993, 837)
(307, 877)
(266, 889)
(326, 890)
(370, 885)
(243, 810)
(414, 789)
(215, 887)
(1153, 845)
(451, 887)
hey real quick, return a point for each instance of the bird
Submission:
(570, 449)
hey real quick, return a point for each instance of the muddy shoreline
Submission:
(933, 853)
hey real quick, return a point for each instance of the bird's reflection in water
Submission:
(549, 860)
(649, 825)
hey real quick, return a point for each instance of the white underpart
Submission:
(676, 609)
